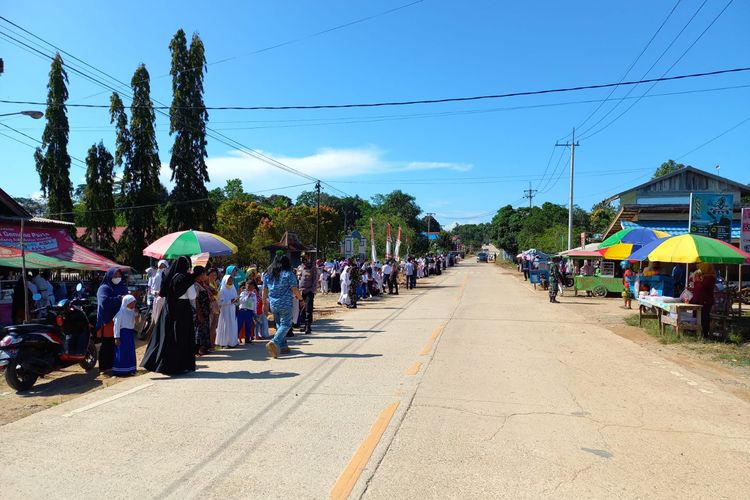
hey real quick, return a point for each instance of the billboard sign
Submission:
(745, 230)
(711, 215)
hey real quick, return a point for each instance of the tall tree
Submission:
(98, 198)
(667, 167)
(138, 153)
(52, 159)
(400, 204)
(187, 121)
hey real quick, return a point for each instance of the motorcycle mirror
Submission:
(37, 296)
(79, 287)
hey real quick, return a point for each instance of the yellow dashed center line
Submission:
(428, 346)
(350, 476)
(414, 368)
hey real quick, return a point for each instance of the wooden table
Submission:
(670, 313)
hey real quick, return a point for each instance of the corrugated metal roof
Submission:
(674, 228)
(42, 220)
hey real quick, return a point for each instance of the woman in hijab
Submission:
(202, 311)
(704, 283)
(125, 319)
(171, 349)
(226, 333)
(108, 299)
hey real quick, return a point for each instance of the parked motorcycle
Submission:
(31, 350)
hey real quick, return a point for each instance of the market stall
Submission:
(40, 244)
(599, 280)
(687, 312)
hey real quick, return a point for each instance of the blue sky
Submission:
(461, 160)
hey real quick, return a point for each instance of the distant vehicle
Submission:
(482, 257)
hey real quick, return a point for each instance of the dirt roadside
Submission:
(697, 357)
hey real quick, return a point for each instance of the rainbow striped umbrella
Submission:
(626, 241)
(689, 249)
(189, 243)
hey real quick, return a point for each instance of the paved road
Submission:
(469, 387)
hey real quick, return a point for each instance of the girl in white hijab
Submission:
(125, 319)
(344, 298)
(226, 332)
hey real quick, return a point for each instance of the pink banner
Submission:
(46, 241)
(745, 230)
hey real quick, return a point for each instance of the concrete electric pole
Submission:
(572, 144)
(530, 193)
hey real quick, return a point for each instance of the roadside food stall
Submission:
(538, 267)
(28, 242)
(681, 250)
(610, 253)
(603, 278)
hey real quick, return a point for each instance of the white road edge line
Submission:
(108, 400)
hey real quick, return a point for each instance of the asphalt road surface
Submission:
(470, 386)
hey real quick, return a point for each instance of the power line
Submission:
(80, 164)
(316, 122)
(17, 140)
(635, 61)
(422, 101)
(279, 44)
(182, 202)
(663, 53)
(160, 109)
(713, 139)
(663, 74)
(488, 179)
(545, 189)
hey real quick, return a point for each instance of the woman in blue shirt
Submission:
(280, 287)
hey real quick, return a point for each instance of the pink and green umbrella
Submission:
(189, 243)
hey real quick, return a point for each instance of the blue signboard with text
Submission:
(711, 215)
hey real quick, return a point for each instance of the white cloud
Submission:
(326, 164)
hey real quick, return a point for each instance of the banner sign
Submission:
(711, 215)
(388, 242)
(372, 242)
(745, 230)
(51, 242)
(397, 252)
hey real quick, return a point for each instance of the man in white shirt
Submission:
(387, 272)
(44, 288)
(411, 274)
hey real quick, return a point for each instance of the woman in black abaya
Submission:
(171, 349)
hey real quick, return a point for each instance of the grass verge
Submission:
(736, 351)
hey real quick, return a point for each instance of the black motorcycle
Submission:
(32, 350)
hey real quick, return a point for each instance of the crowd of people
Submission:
(197, 309)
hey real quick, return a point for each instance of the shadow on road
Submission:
(75, 383)
(300, 354)
(243, 374)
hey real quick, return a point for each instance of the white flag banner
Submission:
(372, 242)
(388, 241)
(397, 251)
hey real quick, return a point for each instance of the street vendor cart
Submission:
(600, 284)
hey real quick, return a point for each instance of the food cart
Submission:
(598, 285)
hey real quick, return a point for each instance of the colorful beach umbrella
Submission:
(189, 243)
(626, 241)
(689, 249)
(201, 259)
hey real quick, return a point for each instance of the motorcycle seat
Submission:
(29, 328)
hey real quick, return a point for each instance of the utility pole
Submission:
(572, 144)
(317, 221)
(530, 193)
(429, 220)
